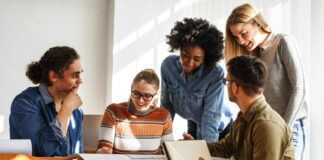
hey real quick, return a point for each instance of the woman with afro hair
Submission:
(192, 81)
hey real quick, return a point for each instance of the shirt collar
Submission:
(45, 94)
(254, 108)
(268, 42)
(198, 73)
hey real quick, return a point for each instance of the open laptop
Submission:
(90, 130)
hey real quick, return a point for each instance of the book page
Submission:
(146, 157)
(188, 150)
(102, 156)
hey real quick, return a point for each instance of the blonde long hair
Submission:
(245, 14)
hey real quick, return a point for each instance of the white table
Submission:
(128, 157)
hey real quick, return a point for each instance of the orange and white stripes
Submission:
(127, 133)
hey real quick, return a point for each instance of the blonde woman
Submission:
(247, 33)
(137, 126)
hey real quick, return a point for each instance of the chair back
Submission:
(90, 130)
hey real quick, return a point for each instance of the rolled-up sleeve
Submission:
(213, 109)
(224, 148)
(27, 121)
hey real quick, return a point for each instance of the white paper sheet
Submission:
(146, 157)
(21, 146)
(125, 157)
(103, 157)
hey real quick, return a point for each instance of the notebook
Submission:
(186, 150)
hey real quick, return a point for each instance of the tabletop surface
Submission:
(12, 156)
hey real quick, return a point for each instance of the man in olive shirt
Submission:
(258, 131)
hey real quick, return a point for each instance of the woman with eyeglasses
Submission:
(192, 81)
(247, 33)
(137, 126)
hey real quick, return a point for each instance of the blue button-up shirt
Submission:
(198, 98)
(33, 116)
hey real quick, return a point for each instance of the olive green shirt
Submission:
(259, 133)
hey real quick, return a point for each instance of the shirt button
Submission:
(214, 116)
(184, 97)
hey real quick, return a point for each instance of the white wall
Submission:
(139, 38)
(116, 39)
(316, 81)
(29, 27)
(141, 26)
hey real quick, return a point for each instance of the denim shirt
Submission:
(199, 98)
(33, 116)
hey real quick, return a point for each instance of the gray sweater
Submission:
(285, 85)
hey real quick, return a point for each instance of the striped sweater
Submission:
(127, 133)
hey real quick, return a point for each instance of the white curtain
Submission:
(139, 42)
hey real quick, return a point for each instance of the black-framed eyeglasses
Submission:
(146, 96)
(225, 81)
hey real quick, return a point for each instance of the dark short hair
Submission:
(197, 31)
(57, 59)
(249, 72)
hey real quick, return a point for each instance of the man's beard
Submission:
(231, 96)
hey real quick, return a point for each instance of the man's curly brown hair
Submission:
(57, 59)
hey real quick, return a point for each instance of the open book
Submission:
(186, 150)
(93, 156)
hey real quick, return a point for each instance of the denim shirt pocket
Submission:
(176, 96)
(198, 99)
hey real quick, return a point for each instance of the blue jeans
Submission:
(192, 129)
(299, 138)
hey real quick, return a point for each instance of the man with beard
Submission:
(258, 131)
(49, 113)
